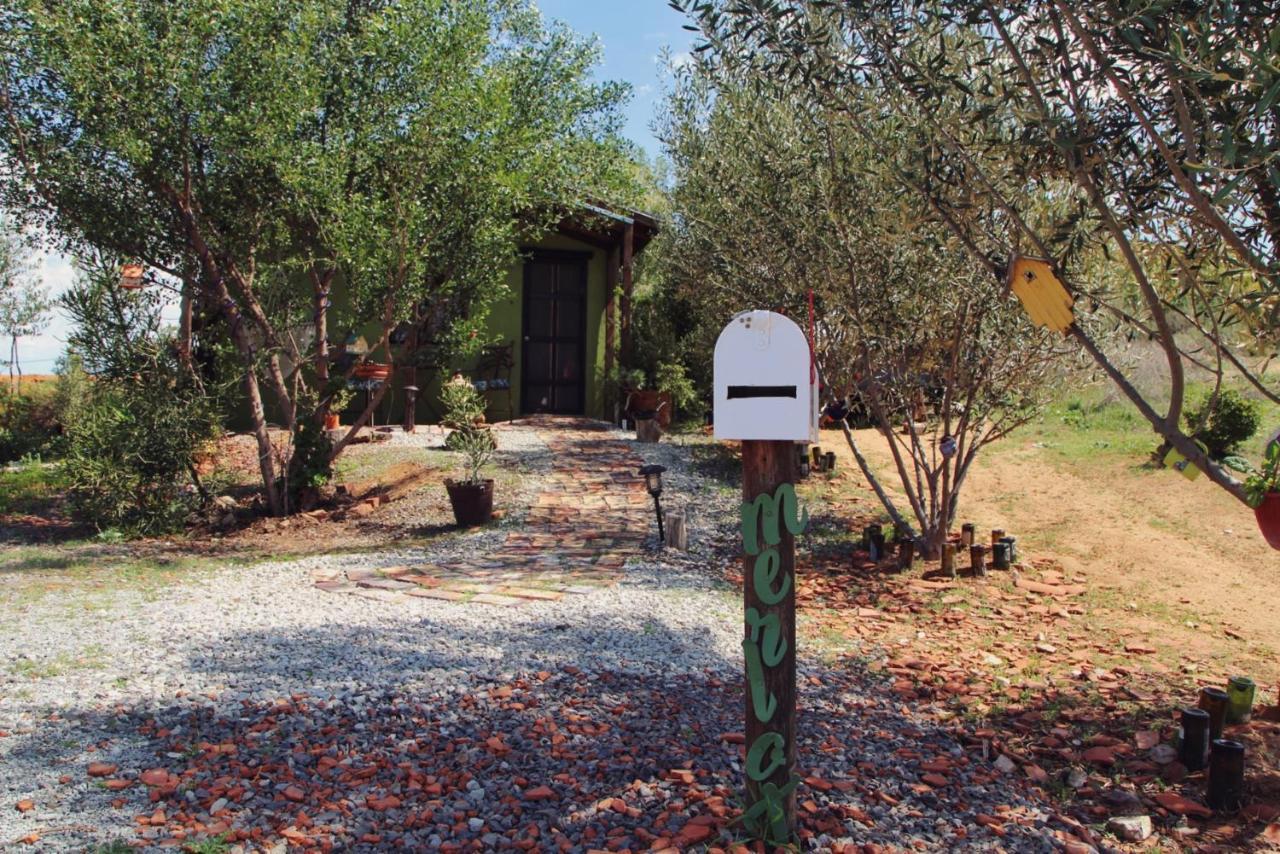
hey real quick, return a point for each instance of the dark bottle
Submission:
(1226, 775)
(1195, 738)
(1214, 701)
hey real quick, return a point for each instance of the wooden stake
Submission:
(949, 560)
(978, 559)
(769, 640)
(967, 534)
(906, 552)
(677, 531)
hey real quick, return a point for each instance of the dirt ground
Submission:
(1180, 560)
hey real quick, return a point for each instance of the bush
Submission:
(672, 378)
(132, 434)
(1224, 423)
(463, 414)
(29, 422)
(130, 461)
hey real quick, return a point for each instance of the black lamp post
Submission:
(653, 483)
(410, 407)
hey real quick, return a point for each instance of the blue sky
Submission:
(633, 35)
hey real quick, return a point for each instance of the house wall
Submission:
(504, 326)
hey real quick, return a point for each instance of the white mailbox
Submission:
(764, 385)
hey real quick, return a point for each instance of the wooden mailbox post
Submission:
(766, 396)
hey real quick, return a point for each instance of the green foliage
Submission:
(1266, 479)
(1132, 144)
(29, 487)
(463, 405)
(477, 446)
(672, 378)
(1223, 421)
(134, 433)
(464, 416)
(24, 301)
(266, 151)
(30, 421)
(781, 204)
(212, 845)
(310, 466)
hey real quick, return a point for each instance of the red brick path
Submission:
(592, 514)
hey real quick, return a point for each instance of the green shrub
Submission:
(463, 412)
(1224, 423)
(130, 456)
(134, 432)
(29, 422)
(672, 378)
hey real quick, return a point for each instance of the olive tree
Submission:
(261, 153)
(1132, 144)
(24, 301)
(776, 202)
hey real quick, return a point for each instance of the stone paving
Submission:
(592, 514)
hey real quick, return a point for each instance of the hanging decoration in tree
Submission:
(131, 277)
(1176, 461)
(1041, 293)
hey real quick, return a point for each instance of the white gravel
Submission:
(70, 659)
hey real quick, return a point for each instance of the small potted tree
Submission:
(472, 496)
(1262, 489)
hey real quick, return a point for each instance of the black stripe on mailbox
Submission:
(738, 392)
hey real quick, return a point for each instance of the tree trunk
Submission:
(266, 465)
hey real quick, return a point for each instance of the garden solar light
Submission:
(653, 483)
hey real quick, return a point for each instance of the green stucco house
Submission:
(558, 335)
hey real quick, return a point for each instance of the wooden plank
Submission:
(769, 606)
(628, 244)
(611, 264)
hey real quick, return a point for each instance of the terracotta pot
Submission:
(1268, 515)
(372, 371)
(472, 502)
(642, 404)
(331, 421)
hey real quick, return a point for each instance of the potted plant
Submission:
(472, 496)
(463, 410)
(1262, 490)
(642, 403)
(677, 390)
(338, 401)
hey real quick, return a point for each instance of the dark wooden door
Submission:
(553, 372)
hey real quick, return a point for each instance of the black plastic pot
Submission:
(472, 502)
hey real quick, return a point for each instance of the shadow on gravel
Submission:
(411, 745)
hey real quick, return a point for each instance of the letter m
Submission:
(762, 515)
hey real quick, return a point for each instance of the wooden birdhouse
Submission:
(1175, 460)
(1042, 295)
(131, 277)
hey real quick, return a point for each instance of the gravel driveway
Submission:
(246, 702)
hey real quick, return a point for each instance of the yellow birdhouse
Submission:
(1176, 461)
(1046, 301)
